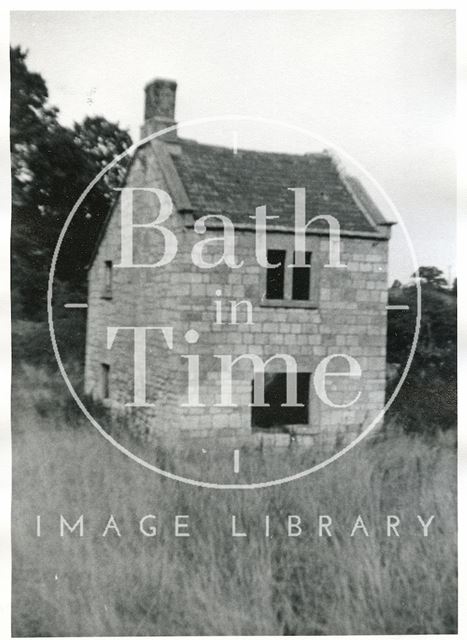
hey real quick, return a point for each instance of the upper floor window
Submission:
(275, 275)
(108, 278)
(301, 277)
(293, 282)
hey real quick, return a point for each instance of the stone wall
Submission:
(346, 315)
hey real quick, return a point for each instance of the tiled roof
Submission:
(219, 181)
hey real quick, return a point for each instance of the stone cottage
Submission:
(313, 312)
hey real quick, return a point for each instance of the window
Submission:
(275, 275)
(294, 283)
(105, 371)
(277, 417)
(301, 279)
(108, 276)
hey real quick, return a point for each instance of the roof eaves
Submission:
(289, 229)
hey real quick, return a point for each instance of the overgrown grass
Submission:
(212, 583)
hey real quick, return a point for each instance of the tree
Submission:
(30, 116)
(51, 167)
(95, 143)
(431, 276)
(31, 121)
(427, 400)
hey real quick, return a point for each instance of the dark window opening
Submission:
(276, 417)
(275, 275)
(301, 279)
(105, 381)
(108, 279)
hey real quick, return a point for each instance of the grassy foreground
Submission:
(211, 582)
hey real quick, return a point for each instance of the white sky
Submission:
(380, 84)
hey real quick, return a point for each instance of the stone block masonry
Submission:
(344, 311)
(347, 314)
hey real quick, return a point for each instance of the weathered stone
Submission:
(348, 315)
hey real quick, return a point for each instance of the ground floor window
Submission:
(105, 379)
(275, 416)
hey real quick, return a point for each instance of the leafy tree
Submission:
(427, 400)
(31, 118)
(431, 276)
(31, 121)
(51, 167)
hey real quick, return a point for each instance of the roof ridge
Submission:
(302, 156)
(217, 179)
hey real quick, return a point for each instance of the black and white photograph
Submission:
(233, 322)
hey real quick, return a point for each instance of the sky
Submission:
(381, 85)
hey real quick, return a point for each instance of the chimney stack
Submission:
(159, 108)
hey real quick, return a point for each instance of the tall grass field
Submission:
(212, 582)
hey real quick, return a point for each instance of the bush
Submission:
(427, 401)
